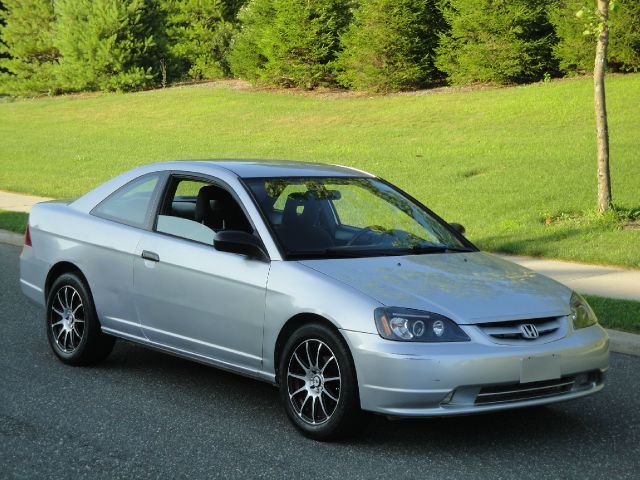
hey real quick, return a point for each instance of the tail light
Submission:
(27, 237)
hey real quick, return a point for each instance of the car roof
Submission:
(272, 168)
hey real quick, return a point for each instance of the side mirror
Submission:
(236, 241)
(458, 228)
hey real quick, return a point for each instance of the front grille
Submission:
(524, 391)
(511, 332)
(530, 391)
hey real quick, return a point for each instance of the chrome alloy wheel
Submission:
(67, 319)
(313, 381)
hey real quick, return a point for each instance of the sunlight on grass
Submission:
(498, 161)
(13, 221)
(616, 314)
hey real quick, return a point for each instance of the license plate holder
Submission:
(539, 368)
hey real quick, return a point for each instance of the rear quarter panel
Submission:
(102, 250)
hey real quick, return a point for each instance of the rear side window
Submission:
(130, 204)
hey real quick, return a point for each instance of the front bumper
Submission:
(441, 379)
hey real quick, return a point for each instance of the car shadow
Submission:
(196, 383)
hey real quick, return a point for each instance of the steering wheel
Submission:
(362, 233)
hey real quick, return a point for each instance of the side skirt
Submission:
(196, 357)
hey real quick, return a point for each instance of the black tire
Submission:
(331, 420)
(73, 329)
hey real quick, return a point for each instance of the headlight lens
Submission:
(408, 325)
(581, 312)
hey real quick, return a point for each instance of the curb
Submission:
(11, 238)
(624, 342)
(619, 342)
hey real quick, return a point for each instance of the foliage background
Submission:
(49, 47)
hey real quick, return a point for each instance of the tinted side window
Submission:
(197, 210)
(129, 205)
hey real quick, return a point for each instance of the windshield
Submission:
(346, 216)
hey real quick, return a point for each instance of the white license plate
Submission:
(536, 369)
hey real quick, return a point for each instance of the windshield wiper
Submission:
(346, 252)
(336, 252)
(417, 249)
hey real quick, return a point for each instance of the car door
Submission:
(191, 297)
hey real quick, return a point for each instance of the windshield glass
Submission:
(346, 216)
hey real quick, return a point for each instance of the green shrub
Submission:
(28, 48)
(576, 46)
(497, 41)
(109, 44)
(199, 32)
(290, 42)
(624, 53)
(391, 45)
(245, 58)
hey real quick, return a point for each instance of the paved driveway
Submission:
(142, 414)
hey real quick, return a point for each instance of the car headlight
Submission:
(408, 325)
(581, 312)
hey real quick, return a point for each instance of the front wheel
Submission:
(318, 384)
(73, 329)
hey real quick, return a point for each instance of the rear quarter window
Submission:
(131, 203)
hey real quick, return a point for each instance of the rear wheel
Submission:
(73, 329)
(318, 384)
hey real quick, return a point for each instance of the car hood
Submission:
(472, 287)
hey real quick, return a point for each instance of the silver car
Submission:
(339, 288)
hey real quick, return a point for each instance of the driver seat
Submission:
(299, 230)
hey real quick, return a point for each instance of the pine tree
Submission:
(109, 44)
(391, 45)
(290, 42)
(246, 59)
(27, 44)
(199, 34)
(624, 26)
(497, 41)
(576, 46)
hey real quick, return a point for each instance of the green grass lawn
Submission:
(13, 221)
(499, 161)
(616, 314)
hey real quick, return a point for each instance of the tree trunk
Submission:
(602, 128)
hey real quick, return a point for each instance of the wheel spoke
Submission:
(326, 392)
(73, 329)
(76, 309)
(327, 363)
(60, 332)
(331, 379)
(57, 311)
(313, 409)
(66, 297)
(300, 362)
(308, 356)
(324, 410)
(301, 389)
(299, 377)
(59, 322)
(317, 365)
(304, 402)
(59, 299)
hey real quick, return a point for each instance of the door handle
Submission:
(147, 255)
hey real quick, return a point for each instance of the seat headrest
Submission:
(208, 198)
(309, 214)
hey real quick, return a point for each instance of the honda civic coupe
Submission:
(343, 291)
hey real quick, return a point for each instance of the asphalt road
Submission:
(143, 414)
